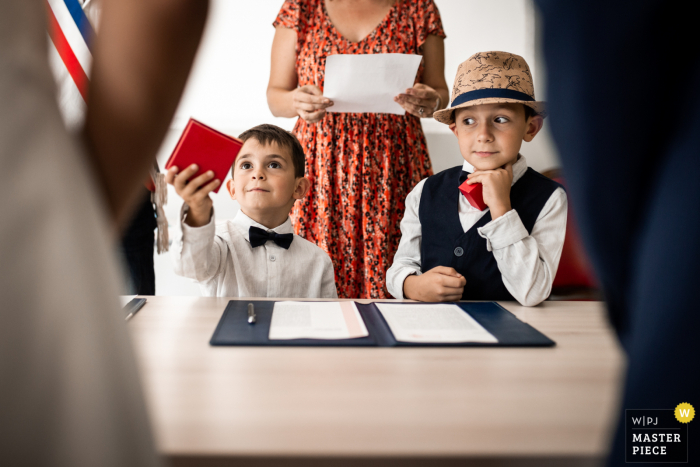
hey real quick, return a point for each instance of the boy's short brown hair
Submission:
(529, 112)
(266, 134)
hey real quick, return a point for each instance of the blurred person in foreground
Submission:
(137, 242)
(70, 388)
(624, 96)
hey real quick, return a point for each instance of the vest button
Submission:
(459, 251)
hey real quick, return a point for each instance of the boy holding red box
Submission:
(256, 253)
(492, 229)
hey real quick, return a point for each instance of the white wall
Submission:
(227, 87)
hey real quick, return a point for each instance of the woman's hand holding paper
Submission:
(195, 193)
(309, 103)
(421, 100)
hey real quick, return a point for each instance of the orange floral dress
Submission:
(361, 166)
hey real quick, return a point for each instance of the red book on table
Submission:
(208, 148)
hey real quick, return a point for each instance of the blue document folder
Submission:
(233, 328)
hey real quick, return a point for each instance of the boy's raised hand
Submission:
(440, 284)
(194, 192)
(496, 185)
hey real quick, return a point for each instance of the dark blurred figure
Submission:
(138, 246)
(69, 385)
(624, 92)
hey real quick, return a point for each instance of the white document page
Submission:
(316, 320)
(433, 324)
(368, 83)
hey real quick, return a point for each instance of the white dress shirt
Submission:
(528, 262)
(221, 259)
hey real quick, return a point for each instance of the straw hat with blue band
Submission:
(492, 78)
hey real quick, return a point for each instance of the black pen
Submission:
(133, 306)
(251, 314)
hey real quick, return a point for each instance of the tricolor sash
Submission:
(73, 36)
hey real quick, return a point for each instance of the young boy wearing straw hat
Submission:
(451, 250)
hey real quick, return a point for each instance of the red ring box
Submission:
(474, 194)
(208, 148)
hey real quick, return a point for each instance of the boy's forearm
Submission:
(411, 287)
(143, 55)
(198, 217)
(197, 252)
(528, 260)
(408, 286)
(397, 273)
(499, 209)
(524, 272)
(329, 289)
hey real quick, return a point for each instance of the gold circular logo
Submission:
(684, 412)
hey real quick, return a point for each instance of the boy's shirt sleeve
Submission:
(529, 262)
(198, 253)
(328, 288)
(407, 260)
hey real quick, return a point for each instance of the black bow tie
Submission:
(463, 176)
(259, 237)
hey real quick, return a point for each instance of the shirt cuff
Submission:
(399, 279)
(196, 234)
(504, 231)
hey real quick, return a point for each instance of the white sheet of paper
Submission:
(316, 320)
(433, 324)
(368, 83)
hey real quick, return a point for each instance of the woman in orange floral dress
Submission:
(361, 166)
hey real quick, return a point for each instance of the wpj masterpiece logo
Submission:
(658, 435)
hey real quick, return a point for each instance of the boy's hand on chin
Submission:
(496, 185)
(440, 284)
(195, 193)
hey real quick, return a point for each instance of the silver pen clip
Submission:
(251, 314)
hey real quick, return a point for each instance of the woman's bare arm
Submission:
(431, 94)
(434, 72)
(283, 75)
(143, 55)
(284, 98)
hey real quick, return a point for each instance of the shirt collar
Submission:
(243, 223)
(519, 168)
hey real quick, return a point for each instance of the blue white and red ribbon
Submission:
(73, 36)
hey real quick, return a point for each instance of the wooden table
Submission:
(216, 406)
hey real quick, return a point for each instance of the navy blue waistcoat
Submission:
(444, 243)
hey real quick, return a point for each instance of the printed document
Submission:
(433, 324)
(316, 320)
(368, 83)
